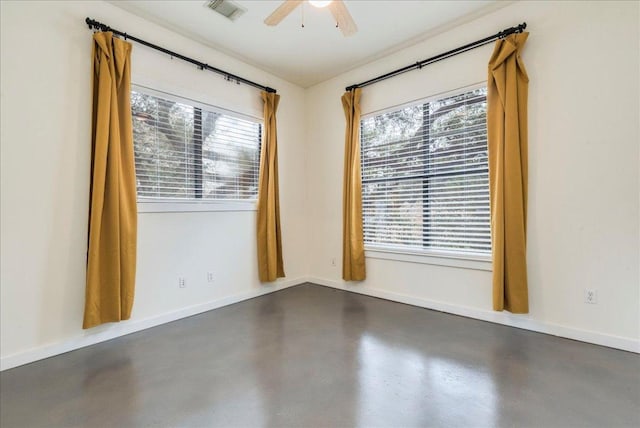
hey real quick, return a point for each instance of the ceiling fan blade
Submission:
(342, 16)
(282, 11)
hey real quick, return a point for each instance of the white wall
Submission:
(45, 152)
(582, 59)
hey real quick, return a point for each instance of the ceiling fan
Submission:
(337, 7)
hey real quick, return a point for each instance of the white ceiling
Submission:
(319, 51)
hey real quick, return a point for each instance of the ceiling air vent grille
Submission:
(226, 8)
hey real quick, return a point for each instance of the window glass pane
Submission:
(392, 144)
(231, 157)
(162, 134)
(458, 134)
(458, 213)
(393, 213)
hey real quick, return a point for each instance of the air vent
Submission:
(226, 8)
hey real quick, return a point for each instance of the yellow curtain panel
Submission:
(353, 265)
(508, 168)
(270, 264)
(111, 255)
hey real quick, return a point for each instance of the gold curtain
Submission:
(270, 265)
(353, 266)
(508, 169)
(111, 255)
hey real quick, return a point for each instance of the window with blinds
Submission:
(186, 151)
(425, 184)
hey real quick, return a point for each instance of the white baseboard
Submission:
(519, 321)
(87, 338)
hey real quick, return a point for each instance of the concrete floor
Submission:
(311, 356)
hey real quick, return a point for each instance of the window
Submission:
(425, 183)
(189, 152)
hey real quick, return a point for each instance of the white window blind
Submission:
(425, 184)
(186, 151)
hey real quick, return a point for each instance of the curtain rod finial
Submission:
(89, 22)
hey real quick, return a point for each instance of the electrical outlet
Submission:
(182, 283)
(333, 261)
(209, 276)
(591, 296)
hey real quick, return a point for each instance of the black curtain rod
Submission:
(418, 65)
(93, 24)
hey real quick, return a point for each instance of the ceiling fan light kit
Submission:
(340, 13)
(319, 3)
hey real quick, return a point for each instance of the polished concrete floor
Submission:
(311, 356)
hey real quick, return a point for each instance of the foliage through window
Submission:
(425, 183)
(190, 151)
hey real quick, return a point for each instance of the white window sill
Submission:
(195, 206)
(463, 261)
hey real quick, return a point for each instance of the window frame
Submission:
(170, 205)
(470, 260)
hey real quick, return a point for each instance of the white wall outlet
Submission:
(590, 296)
(209, 276)
(181, 282)
(333, 261)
